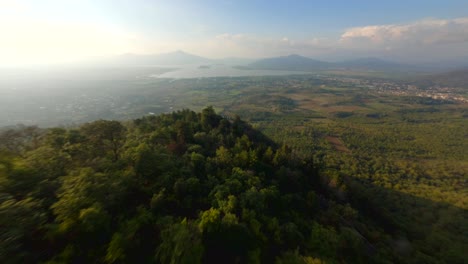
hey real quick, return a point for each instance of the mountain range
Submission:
(173, 58)
(300, 63)
(292, 62)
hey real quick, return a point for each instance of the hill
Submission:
(183, 187)
(300, 63)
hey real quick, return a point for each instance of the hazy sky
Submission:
(53, 31)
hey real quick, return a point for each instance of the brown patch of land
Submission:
(337, 144)
(324, 103)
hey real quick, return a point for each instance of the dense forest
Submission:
(184, 187)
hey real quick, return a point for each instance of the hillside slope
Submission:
(184, 187)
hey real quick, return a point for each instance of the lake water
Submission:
(207, 71)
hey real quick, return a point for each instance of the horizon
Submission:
(444, 65)
(58, 32)
(440, 66)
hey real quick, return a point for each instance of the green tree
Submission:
(181, 243)
(104, 136)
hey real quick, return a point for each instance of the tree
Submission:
(181, 243)
(20, 225)
(209, 118)
(104, 135)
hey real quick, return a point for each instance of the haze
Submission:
(54, 32)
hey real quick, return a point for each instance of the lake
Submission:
(217, 70)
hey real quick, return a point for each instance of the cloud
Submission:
(420, 40)
(421, 34)
(428, 40)
(28, 39)
(248, 45)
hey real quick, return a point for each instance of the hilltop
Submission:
(183, 187)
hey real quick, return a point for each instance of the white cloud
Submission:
(247, 45)
(424, 40)
(420, 33)
(26, 39)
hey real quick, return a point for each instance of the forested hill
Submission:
(184, 187)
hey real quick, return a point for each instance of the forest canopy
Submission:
(184, 187)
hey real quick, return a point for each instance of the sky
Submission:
(59, 31)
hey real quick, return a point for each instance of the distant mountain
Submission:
(172, 58)
(300, 63)
(291, 63)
